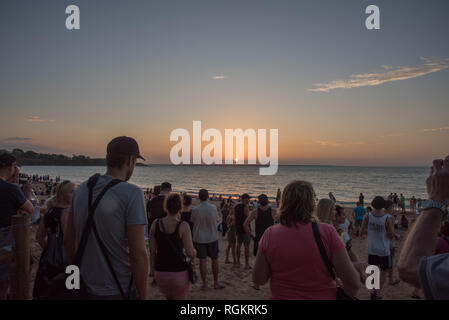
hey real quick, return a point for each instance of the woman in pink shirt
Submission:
(289, 257)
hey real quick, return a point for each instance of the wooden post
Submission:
(20, 280)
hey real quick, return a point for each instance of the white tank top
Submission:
(377, 242)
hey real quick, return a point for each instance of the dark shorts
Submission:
(383, 262)
(358, 223)
(243, 238)
(205, 250)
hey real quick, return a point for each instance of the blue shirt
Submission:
(11, 199)
(359, 212)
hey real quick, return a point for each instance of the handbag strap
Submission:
(319, 242)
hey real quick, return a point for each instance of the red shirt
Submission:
(297, 268)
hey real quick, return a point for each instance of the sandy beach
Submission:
(237, 280)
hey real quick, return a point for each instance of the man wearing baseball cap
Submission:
(12, 201)
(120, 220)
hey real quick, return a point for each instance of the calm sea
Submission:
(344, 182)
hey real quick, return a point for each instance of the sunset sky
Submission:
(338, 93)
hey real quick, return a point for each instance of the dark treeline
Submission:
(34, 158)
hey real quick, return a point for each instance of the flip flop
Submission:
(255, 288)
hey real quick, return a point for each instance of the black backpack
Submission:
(53, 259)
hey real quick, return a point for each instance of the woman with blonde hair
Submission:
(50, 236)
(57, 209)
(290, 252)
(326, 211)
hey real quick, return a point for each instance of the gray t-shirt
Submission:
(434, 276)
(204, 218)
(122, 205)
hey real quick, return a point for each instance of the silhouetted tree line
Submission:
(34, 158)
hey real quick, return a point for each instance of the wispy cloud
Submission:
(392, 135)
(38, 119)
(335, 144)
(17, 139)
(436, 129)
(430, 65)
(219, 77)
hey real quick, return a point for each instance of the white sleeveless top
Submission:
(377, 242)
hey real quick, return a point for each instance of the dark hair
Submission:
(340, 210)
(173, 203)
(166, 186)
(263, 200)
(378, 203)
(245, 196)
(388, 204)
(116, 160)
(444, 230)
(203, 194)
(157, 190)
(297, 203)
(7, 160)
(369, 209)
(187, 200)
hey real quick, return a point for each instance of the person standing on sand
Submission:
(264, 217)
(361, 199)
(278, 197)
(379, 227)
(168, 237)
(390, 211)
(342, 225)
(155, 207)
(120, 221)
(186, 213)
(155, 210)
(358, 214)
(52, 227)
(241, 212)
(402, 203)
(326, 211)
(230, 222)
(12, 202)
(224, 216)
(298, 272)
(205, 237)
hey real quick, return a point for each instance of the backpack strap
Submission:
(90, 224)
(87, 227)
(92, 208)
(319, 242)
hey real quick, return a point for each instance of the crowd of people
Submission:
(120, 236)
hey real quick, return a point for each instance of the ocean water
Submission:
(345, 183)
